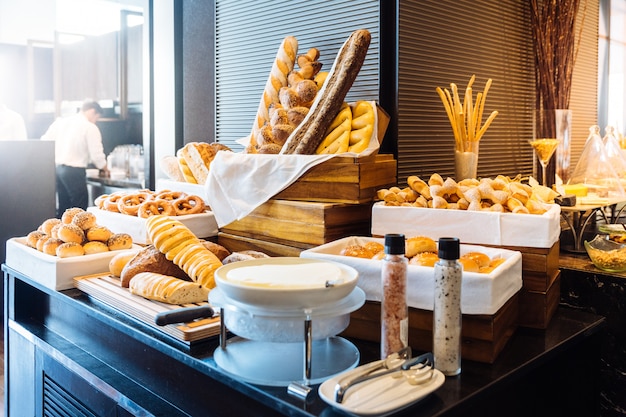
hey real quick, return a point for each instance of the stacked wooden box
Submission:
(483, 336)
(330, 201)
(541, 289)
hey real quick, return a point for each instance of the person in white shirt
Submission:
(78, 143)
(12, 126)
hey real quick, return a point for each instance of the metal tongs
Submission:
(396, 362)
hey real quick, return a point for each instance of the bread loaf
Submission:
(306, 138)
(167, 289)
(181, 246)
(282, 66)
(150, 259)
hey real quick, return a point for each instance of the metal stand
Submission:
(288, 364)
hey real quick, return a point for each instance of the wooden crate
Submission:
(539, 265)
(344, 180)
(303, 223)
(236, 243)
(537, 307)
(484, 336)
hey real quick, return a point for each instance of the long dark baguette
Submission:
(310, 132)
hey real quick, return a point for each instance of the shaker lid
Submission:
(449, 248)
(394, 244)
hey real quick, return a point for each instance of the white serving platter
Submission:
(473, 227)
(380, 396)
(51, 271)
(480, 293)
(202, 225)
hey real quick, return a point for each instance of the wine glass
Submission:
(544, 148)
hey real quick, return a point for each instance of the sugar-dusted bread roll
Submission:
(167, 289)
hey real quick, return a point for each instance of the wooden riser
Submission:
(303, 223)
(484, 336)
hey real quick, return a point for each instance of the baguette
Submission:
(282, 66)
(167, 289)
(306, 138)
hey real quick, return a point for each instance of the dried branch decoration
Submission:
(553, 25)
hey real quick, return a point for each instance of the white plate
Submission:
(380, 396)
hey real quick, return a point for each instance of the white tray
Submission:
(186, 187)
(475, 227)
(51, 271)
(480, 293)
(202, 225)
(380, 396)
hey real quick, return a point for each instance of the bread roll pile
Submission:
(501, 194)
(76, 233)
(422, 251)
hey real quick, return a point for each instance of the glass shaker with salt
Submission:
(394, 315)
(447, 308)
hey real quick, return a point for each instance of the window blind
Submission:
(248, 35)
(441, 44)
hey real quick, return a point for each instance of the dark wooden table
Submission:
(115, 362)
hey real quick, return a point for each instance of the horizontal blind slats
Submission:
(247, 37)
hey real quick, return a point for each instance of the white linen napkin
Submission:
(239, 183)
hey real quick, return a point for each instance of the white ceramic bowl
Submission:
(286, 282)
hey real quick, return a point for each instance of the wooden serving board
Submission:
(108, 289)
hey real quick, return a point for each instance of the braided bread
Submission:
(282, 66)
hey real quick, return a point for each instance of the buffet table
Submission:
(117, 365)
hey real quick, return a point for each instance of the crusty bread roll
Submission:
(181, 246)
(424, 259)
(419, 244)
(150, 259)
(481, 259)
(119, 261)
(218, 250)
(283, 64)
(469, 265)
(167, 289)
(245, 255)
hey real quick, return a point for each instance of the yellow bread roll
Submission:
(180, 245)
(362, 126)
(337, 137)
(167, 289)
(119, 261)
